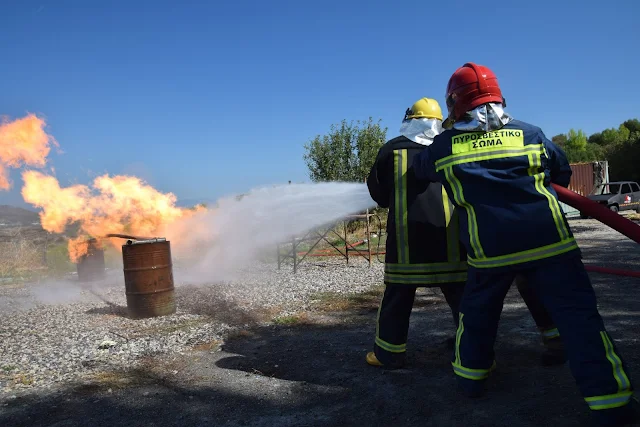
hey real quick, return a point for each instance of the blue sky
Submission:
(206, 98)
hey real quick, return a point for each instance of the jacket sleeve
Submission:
(378, 180)
(424, 168)
(558, 164)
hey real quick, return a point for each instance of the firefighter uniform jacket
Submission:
(501, 180)
(423, 247)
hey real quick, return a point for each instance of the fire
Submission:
(112, 204)
(109, 205)
(23, 142)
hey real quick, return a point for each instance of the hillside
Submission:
(12, 215)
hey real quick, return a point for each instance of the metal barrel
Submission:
(148, 278)
(90, 266)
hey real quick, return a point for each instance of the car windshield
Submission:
(606, 189)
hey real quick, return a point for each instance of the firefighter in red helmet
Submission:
(422, 247)
(498, 173)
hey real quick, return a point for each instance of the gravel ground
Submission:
(187, 370)
(47, 341)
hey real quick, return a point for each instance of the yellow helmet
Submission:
(426, 108)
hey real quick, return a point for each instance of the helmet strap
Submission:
(407, 114)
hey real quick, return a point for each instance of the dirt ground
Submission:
(312, 372)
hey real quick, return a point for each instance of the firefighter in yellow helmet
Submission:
(423, 248)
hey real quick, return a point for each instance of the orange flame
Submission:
(22, 142)
(118, 204)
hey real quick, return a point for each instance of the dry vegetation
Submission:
(23, 251)
(29, 252)
(336, 302)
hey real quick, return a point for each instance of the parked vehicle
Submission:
(617, 196)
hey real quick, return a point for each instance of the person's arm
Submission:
(558, 164)
(424, 167)
(378, 180)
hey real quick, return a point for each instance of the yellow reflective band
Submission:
(435, 267)
(451, 222)
(609, 401)
(534, 164)
(551, 333)
(424, 279)
(400, 178)
(488, 154)
(458, 337)
(392, 348)
(379, 310)
(524, 256)
(472, 223)
(618, 372)
(479, 141)
(472, 374)
(446, 205)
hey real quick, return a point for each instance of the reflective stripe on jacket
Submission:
(501, 181)
(423, 243)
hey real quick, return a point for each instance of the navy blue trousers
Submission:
(392, 328)
(565, 289)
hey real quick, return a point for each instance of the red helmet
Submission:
(471, 85)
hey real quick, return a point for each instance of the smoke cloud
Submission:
(216, 244)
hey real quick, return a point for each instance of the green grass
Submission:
(332, 301)
(286, 320)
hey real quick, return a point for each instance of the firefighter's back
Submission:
(422, 232)
(501, 179)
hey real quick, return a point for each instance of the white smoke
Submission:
(237, 232)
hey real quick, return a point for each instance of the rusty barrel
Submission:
(90, 266)
(148, 278)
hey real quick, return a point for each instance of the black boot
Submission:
(627, 415)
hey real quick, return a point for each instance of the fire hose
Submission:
(599, 212)
(606, 216)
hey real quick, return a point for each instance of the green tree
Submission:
(559, 140)
(575, 146)
(346, 153)
(632, 124)
(576, 140)
(619, 146)
(614, 136)
(594, 152)
(596, 138)
(624, 155)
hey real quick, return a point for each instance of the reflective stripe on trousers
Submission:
(550, 334)
(458, 369)
(624, 393)
(424, 279)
